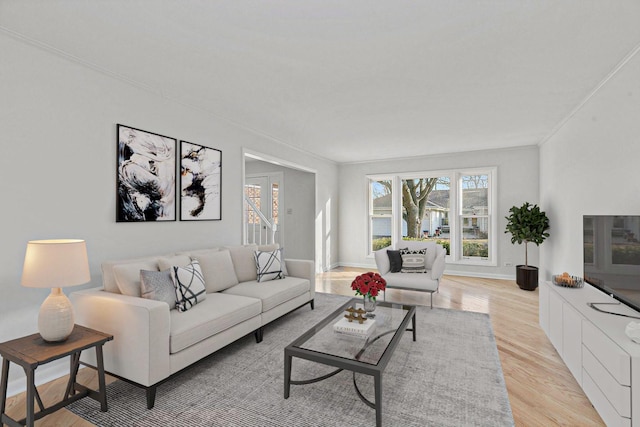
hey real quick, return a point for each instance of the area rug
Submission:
(451, 376)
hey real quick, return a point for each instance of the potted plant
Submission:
(527, 224)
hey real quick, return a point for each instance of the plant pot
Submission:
(527, 277)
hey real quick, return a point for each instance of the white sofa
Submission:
(426, 282)
(152, 342)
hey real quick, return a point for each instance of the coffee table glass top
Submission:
(323, 339)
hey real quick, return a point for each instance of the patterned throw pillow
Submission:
(413, 261)
(269, 265)
(158, 285)
(189, 285)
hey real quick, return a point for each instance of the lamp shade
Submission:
(55, 263)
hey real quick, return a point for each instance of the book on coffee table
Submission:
(360, 330)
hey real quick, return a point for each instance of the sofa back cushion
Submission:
(244, 262)
(127, 275)
(217, 269)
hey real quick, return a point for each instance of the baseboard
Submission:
(446, 272)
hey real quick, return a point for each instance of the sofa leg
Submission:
(312, 304)
(431, 299)
(258, 334)
(151, 396)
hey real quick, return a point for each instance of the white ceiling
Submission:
(353, 80)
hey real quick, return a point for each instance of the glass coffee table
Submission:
(368, 356)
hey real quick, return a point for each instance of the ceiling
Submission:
(352, 80)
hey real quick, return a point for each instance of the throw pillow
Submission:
(269, 265)
(189, 285)
(413, 261)
(395, 261)
(158, 285)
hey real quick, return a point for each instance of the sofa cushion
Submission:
(217, 269)
(243, 262)
(413, 261)
(127, 276)
(271, 293)
(165, 263)
(268, 265)
(158, 285)
(189, 284)
(217, 313)
(422, 282)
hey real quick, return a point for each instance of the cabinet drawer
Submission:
(617, 362)
(618, 395)
(606, 411)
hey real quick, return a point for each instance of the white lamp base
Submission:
(55, 321)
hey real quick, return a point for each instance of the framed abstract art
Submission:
(146, 176)
(200, 182)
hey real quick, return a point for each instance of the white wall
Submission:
(590, 167)
(517, 183)
(299, 198)
(58, 128)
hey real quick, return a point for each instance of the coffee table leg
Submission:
(287, 374)
(413, 324)
(378, 392)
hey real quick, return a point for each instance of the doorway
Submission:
(263, 223)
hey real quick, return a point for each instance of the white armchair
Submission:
(425, 282)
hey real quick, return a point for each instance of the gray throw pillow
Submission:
(158, 285)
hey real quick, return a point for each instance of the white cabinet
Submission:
(595, 348)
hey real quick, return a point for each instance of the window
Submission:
(453, 208)
(380, 213)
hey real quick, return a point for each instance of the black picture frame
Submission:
(145, 176)
(200, 182)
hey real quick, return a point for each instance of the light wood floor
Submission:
(542, 391)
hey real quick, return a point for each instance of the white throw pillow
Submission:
(413, 261)
(269, 265)
(189, 284)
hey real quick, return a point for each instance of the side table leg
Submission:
(31, 391)
(3, 387)
(378, 393)
(101, 381)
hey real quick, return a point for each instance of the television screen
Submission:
(611, 247)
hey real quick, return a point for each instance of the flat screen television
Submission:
(611, 245)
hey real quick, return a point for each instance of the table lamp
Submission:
(55, 264)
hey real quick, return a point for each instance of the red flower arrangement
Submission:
(369, 284)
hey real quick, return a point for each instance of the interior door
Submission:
(265, 191)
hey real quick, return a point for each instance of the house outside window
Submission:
(453, 208)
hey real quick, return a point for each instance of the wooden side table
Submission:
(32, 351)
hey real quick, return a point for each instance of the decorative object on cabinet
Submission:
(146, 176)
(55, 264)
(200, 182)
(527, 224)
(568, 281)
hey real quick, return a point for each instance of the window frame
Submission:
(455, 210)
